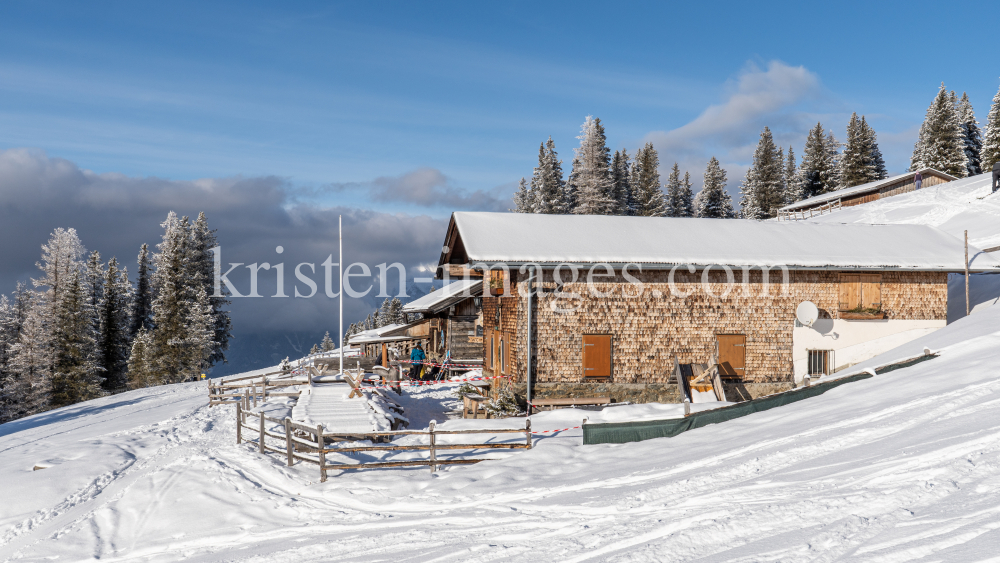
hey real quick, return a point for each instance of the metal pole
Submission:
(966, 273)
(340, 226)
(527, 340)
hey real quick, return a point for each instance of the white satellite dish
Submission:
(806, 313)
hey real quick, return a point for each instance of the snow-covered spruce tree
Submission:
(647, 191)
(327, 344)
(396, 311)
(141, 370)
(834, 181)
(523, 198)
(879, 171)
(10, 328)
(76, 375)
(113, 311)
(684, 206)
(672, 189)
(590, 185)
(713, 200)
(939, 143)
(621, 183)
(814, 171)
(990, 153)
(547, 181)
(94, 282)
(141, 316)
(180, 344)
(32, 362)
(314, 350)
(793, 181)
(203, 239)
(972, 138)
(762, 189)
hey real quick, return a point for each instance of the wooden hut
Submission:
(650, 292)
(865, 193)
(454, 314)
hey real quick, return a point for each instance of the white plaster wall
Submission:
(854, 341)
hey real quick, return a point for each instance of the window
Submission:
(491, 351)
(820, 362)
(860, 291)
(503, 355)
(597, 355)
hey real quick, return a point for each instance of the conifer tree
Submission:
(203, 240)
(523, 198)
(762, 189)
(32, 363)
(621, 182)
(547, 182)
(862, 160)
(76, 376)
(972, 138)
(590, 184)
(939, 143)
(684, 206)
(314, 350)
(673, 192)
(816, 171)
(793, 184)
(327, 344)
(94, 281)
(879, 171)
(141, 367)
(646, 189)
(834, 181)
(990, 153)
(113, 342)
(396, 311)
(713, 200)
(142, 304)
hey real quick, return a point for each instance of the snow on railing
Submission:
(814, 211)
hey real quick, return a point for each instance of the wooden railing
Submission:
(811, 212)
(300, 439)
(251, 387)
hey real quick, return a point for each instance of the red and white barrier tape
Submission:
(559, 430)
(435, 382)
(426, 363)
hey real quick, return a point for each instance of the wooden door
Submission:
(850, 291)
(732, 355)
(597, 355)
(871, 291)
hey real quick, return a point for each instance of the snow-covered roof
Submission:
(444, 297)
(870, 186)
(380, 334)
(525, 238)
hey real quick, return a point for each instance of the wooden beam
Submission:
(461, 271)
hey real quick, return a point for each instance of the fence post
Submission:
(253, 392)
(239, 423)
(261, 415)
(288, 440)
(211, 391)
(433, 453)
(321, 443)
(527, 431)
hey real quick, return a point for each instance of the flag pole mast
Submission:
(340, 226)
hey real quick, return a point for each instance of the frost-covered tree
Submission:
(94, 281)
(203, 240)
(396, 315)
(32, 362)
(762, 191)
(673, 190)
(939, 143)
(647, 192)
(181, 342)
(861, 161)
(547, 182)
(816, 173)
(990, 153)
(621, 183)
(76, 375)
(327, 344)
(684, 204)
(314, 350)
(590, 186)
(141, 367)
(524, 198)
(972, 138)
(792, 180)
(713, 201)
(113, 338)
(142, 302)
(835, 182)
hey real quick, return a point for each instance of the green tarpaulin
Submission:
(621, 432)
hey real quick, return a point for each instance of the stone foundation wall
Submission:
(644, 392)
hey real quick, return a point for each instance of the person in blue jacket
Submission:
(417, 358)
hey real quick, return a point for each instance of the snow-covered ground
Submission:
(901, 467)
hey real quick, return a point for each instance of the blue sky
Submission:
(342, 94)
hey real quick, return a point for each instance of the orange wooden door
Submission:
(597, 355)
(732, 355)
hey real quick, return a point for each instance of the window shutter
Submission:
(850, 291)
(871, 290)
(597, 355)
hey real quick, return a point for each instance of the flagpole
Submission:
(340, 225)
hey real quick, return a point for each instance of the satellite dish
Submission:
(807, 313)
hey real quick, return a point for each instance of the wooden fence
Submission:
(299, 439)
(811, 212)
(252, 387)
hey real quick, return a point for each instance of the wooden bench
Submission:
(551, 404)
(472, 406)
